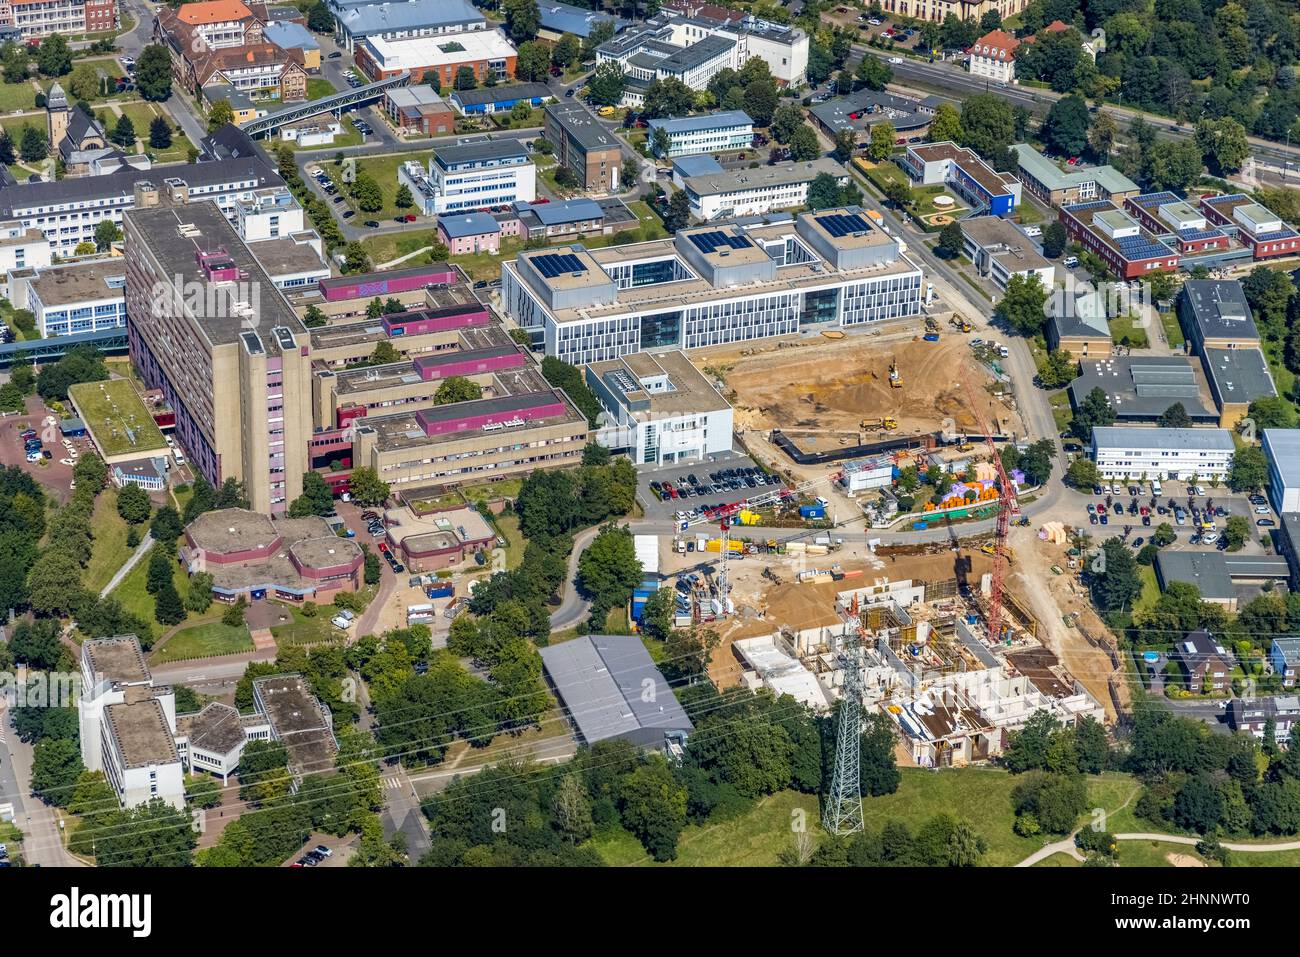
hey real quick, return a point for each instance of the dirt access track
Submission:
(822, 384)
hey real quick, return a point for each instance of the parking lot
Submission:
(1196, 517)
(712, 485)
(54, 473)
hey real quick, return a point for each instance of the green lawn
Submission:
(1059, 860)
(981, 795)
(318, 88)
(1150, 589)
(488, 265)
(116, 417)
(204, 641)
(389, 246)
(383, 170)
(142, 114)
(17, 96)
(307, 631)
(110, 549)
(1028, 214)
(508, 525)
(135, 598)
(1062, 414)
(1173, 331)
(1124, 330)
(487, 491)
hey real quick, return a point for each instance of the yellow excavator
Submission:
(895, 377)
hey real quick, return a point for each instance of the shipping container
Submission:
(440, 591)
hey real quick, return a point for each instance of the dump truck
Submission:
(931, 324)
(960, 323)
(886, 424)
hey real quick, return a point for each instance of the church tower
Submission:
(56, 114)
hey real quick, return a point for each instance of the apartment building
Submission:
(994, 56)
(1257, 226)
(1178, 454)
(584, 146)
(355, 20)
(938, 10)
(208, 327)
(40, 18)
(965, 173)
(67, 211)
(752, 192)
(999, 250)
(22, 247)
(211, 25)
(1117, 239)
(1058, 187)
(67, 299)
(473, 176)
(711, 285)
(252, 68)
(710, 133)
(1177, 222)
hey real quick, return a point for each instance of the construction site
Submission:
(920, 616)
(828, 396)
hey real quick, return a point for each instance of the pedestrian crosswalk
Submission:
(393, 783)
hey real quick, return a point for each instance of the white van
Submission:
(1155, 487)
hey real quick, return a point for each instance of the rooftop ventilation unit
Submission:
(188, 230)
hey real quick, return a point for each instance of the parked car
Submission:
(334, 56)
(1265, 523)
(1070, 262)
(372, 224)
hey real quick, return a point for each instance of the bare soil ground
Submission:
(829, 386)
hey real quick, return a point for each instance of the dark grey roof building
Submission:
(1142, 388)
(1214, 313)
(611, 689)
(1237, 376)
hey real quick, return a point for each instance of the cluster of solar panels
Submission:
(1095, 204)
(1196, 235)
(1226, 198)
(1139, 247)
(1278, 234)
(842, 224)
(708, 242)
(555, 264)
(1154, 199)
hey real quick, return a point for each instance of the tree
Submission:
(319, 18)
(823, 192)
(317, 497)
(951, 240)
(608, 570)
(661, 142)
(84, 83)
(945, 125)
(533, 61)
(355, 258)
(1053, 801)
(123, 134)
(1095, 409)
(133, 504)
(1175, 417)
(678, 214)
(845, 143)
(653, 807)
(761, 99)
(988, 124)
(957, 33)
(785, 120)
(403, 198)
(668, 97)
(522, 19)
(366, 487)
(1271, 412)
(198, 596)
(160, 133)
(466, 78)
(166, 525)
(1054, 240)
(49, 591)
(1022, 304)
(1058, 370)
(1174, 166)
(1268, 293)
(898, 192)
(1223, 145)
(457, 389)
(1248, 471)
(107, 233)
(1102, 136)
(566, 178)
(36, 644)
(234, 615)
(873, 73)
(219, 114)
(168, 607)
(56, 766)
(1236, 531)
(16, 62)
(607, 83)
(153, 73)
(568, 51)
(882, 141)
(571, 809)
(804, 145)
(8, 153)
(1065, 131)
(1083, 473)
(369, 197)
(160, 569)
(1114, 578)
(54, 56)
(33, 146)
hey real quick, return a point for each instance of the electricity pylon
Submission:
(843, 812)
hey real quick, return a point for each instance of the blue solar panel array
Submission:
(1094, 204)
(554, 264)
(1154, 199)
(1279, 234)
(1195, 235)
(1139, 247)
(708, 242)
(841, 224)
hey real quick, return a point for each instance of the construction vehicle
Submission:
(887, 424)
(931, 324)
(964, 446)
(895, 377)
(960, 323)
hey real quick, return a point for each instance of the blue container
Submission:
(440, 591)
(812, 511)
(920, 526)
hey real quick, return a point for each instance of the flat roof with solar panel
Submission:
(849, 228)
(725, 246)
(571, 268)
(716, 239)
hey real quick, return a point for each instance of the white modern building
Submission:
(1282, 449)
(752, 192)
(476, 175)
(1129, 452)
(127, 725)
(213, 739)
(267, 214)
(999, 250)
(354, 20)
(660, 408)
(712, 285)
(67, 211)
(22, 247)
(709, 133)
(862, 474)
(81, 297)
(693, 49)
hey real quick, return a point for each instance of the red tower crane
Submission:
(1007, 506)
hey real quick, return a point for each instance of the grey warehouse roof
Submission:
(602, 683)
(1237, 375)
(576, 20)
(485, 151)
(1282, 446)
(1220, 309)
(1173, 440)
(709, 121)
(503, 94)
(413, 14)
(1144, 387)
